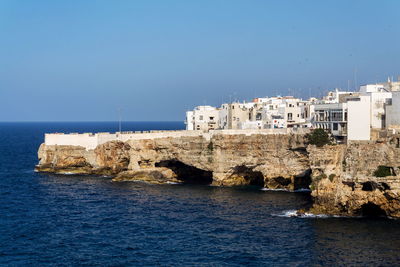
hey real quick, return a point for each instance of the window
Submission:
(335, 126)
(290, 116)
(201, 117)
(211, 118)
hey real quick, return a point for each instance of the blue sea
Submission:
(56, 220)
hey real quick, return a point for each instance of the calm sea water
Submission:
(84, 220)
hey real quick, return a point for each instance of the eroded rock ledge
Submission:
(342, 177)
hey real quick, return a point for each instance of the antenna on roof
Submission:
(119, 119)
(355, 79)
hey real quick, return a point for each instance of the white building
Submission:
(359, 118)
(393, 111)
(189, 120)
(332, 117)
(335, 96)
(349, 120)
(380, 96)
(203, 118)
(251, 125)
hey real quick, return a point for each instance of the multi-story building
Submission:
(237, 113)
(380, 96)
(393, 112)
(347, 115)
(203, 118)
(350, 119)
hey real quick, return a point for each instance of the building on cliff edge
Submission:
(347, 115)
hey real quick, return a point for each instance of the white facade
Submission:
(370, 88)
(393, 111)
(332, 117)
(377, 109)
(251, 125)
(350, 120)
(189, 120)
(359, 119)
(203, 118)
(335, 96)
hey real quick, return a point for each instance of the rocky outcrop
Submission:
(353, 179)
(274, 161)
(345, 179)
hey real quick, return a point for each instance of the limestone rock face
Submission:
(113, 156)
(63, 159)
(276, 161)
(342, 178)
(344, 181)
(151, 175)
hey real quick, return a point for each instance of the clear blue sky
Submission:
(81, 60)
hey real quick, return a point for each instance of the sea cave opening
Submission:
(372, 210)
(254, 178)
(303, 180)
(187, 173)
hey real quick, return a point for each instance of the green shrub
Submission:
(332, 176)
(383, 171)
(318, 137)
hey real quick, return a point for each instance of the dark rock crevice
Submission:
(371, 210)
(371, 186)
(303, 180)
(255, 178)
(186, 173)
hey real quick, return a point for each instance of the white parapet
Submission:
(91, 141)
(86, 140)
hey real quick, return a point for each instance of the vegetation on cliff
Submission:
(383, 171)
(319, 137)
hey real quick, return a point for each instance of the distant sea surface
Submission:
(91, 221)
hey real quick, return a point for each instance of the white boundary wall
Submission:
(91, 141)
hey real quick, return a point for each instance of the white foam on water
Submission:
(295, 213)
(309, 215)
(277, 189)
(302, 190)
(288, 213)
(169, 182)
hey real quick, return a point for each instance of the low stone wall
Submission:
(91, 140)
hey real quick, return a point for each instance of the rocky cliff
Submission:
(356, 179)
(353, 179)
(274, 161)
